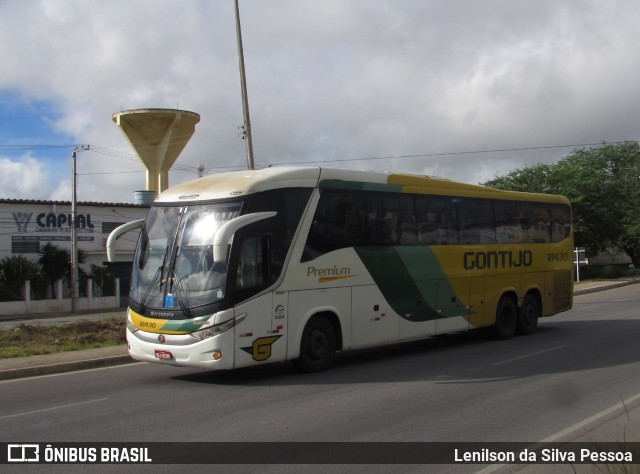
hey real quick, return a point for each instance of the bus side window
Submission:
(437, 220)
(408, 228)
(253, 263)
(560, 222)
(476, 221)
(384, 220)
(340, 221)
(511, 222)
(539, 226)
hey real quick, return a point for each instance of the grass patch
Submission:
(26, 339)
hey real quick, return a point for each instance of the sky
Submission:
(418, 86)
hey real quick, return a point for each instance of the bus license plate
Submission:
(164, 355)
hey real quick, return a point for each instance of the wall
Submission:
(60, 305)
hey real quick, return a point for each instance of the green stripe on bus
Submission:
(425, 269)
(410, 279)
(359, 186)
(186, 325)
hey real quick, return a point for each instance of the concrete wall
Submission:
(60, 305)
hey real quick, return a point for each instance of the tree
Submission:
(603, 185)
(14, 271)
(56, 263)
(102, 279)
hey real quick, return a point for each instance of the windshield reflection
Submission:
(173, 265)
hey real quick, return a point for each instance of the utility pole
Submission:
(245, 100)
(74, 228)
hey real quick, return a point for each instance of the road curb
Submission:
(604, 286)
(50, 369)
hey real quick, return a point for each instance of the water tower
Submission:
(158, 136)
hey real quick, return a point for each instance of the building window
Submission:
(108, 227)
(25, 247)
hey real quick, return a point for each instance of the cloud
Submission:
(328, 81)
(23, 178)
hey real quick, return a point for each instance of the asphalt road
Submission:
(461, 387)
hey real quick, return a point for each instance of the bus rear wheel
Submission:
(317, 347)
(528, 315)
(506, 318)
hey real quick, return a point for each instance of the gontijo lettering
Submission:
(497, 259)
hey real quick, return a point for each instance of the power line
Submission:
(133, 157)
(111, 172)
(104, 151)
(194, 169)
(452, 153)
(34, 147)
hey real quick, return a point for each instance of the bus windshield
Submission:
(173, 264)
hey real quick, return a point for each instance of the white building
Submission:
(27, 225)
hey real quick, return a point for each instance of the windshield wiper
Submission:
(143, 300)
(182, 301)
(158, 273)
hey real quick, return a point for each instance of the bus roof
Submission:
(240, 183)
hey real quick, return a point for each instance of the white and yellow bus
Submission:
(250, 267)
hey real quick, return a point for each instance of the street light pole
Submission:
(74, 229)
(243, 86)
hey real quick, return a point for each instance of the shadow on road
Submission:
(557, 347)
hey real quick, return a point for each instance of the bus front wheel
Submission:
(506, 318)
(317, 347)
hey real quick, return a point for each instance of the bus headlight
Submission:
(131, 327)
(212, 331)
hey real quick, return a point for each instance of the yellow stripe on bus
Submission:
(152, 324)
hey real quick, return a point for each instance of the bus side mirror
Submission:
(116, 233)
(228, 229)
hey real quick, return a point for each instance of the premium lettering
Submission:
(328, 272)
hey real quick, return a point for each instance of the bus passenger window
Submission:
(339, 222)
(476, 221)
(383, 216)
(437, 220)
(252, 264)
(539, 228)
(511, 222)
(560, 222)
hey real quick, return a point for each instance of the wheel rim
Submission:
(506, 316)
(317, 347)
(529, 314)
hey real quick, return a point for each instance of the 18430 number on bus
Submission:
(558, 257)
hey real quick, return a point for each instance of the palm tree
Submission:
(56, 263)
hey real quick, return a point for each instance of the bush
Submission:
(608, 272)
(14, 271)
(103, 282)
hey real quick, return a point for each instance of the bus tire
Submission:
(317, 346)
(506, 318)
(528, 315)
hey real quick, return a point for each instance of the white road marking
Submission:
(71, 372)
(60, 407)
(623, 405)
(528, 355)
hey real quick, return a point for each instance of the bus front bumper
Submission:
(215, 353)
